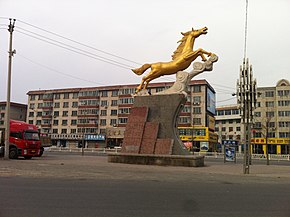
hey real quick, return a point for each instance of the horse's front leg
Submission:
(140, 87)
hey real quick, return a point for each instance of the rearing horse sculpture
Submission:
(181, 59)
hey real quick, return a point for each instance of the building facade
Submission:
(272, 119)
(271, 127)
(18, 112)
(97, 116)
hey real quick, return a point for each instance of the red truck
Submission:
(24, 140)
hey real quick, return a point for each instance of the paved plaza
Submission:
(75, 166)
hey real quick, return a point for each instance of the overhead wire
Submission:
(74, 41)
(54, 70)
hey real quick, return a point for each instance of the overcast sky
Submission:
(140, 31)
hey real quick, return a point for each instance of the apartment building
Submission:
(272, 119)
(17, 112)
(97, 116)
(271, 128)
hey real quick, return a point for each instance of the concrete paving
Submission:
(72, 166)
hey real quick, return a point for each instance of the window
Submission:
(159, 89)
(56, 113)
(270, 104)
(73, 122)
(196, 100)
(197, 110)
(75, 95)
(258, 104)
(103, 112)
(114, 102)
(74, 113)
(258, 125)
(196, 121)
(257, 114)
(56, 96)
(32, 97)
(55, 122)
(269, 114)
(115, 92)
(55, 131)
(32, 106)
(74, 104)
(228, 112)
(114, 112)
(65, 113)
(196, 89)
(31, 114)
(220, 112)
(231, 121)
(64, 122)
(126, 101)
(183, 120)
(66, 95)
(113, 122)
(269, 94)
(65, 105)
(103, 122)
(30, 122)
(123, 120)
(63, 131)
(271, 124)
(89, 93)
(231, 129)
(104, 93)
(39, 105)
(235, 111)
(73, 131)
(224, 129)
(238, 128)
(124, 111)
(39, 114)
(40, 97)
(127, 91)
(104, 103)
(56, 105)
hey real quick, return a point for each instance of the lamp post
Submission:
(246, 93)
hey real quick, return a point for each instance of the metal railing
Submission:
(277, 157)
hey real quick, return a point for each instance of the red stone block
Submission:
(147, 146)
(164, 146)
(151, 130)
(138, 115)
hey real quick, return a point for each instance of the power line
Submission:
(54, 70)
(74, 41)
(112, 62)
(75, 48)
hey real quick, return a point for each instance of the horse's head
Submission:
(195, 32)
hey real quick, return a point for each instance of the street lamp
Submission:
(246, 97)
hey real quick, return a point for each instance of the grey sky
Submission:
(141, 31)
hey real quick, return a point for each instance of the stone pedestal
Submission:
(152, 126)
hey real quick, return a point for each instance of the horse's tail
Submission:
(142, 69)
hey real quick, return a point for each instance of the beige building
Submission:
(17, 112)
(271, 120)
(97, 116)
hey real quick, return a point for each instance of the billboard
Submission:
(210, 102)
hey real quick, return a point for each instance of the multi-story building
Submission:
(272, 119)
(271, 126)
(98, 115)
(17, 112)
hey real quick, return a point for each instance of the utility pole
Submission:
(246, 93)
(7, 113)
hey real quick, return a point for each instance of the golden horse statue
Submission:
(181, 59)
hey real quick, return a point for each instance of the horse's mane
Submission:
(180, 47)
